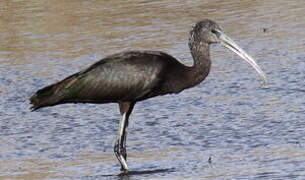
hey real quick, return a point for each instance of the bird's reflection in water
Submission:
(130, 174)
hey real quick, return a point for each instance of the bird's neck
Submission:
(202, 63)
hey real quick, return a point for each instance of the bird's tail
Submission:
(44, 97)
(52, 94)
(58, 93)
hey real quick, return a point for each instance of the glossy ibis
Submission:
(128, 77)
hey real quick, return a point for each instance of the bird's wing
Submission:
(120, 79)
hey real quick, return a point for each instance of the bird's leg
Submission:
(120, 144)
(118, 147)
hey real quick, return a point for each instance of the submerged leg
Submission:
(120, 143)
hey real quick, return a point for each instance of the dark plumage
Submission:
(126, 76)
(132, 76)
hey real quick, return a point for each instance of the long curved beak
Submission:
(230, 44)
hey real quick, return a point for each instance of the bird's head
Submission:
(208, 31)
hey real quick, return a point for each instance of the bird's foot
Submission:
(123, 170)
(120, 153)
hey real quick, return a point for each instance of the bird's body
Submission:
(124, 77)
(128, 77)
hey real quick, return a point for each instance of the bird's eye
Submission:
(214, 31)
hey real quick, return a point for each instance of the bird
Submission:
(131, 76)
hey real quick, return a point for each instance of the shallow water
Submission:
(228, 127)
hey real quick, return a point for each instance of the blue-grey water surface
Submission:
(228, 127)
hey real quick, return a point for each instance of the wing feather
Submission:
(118, 79)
